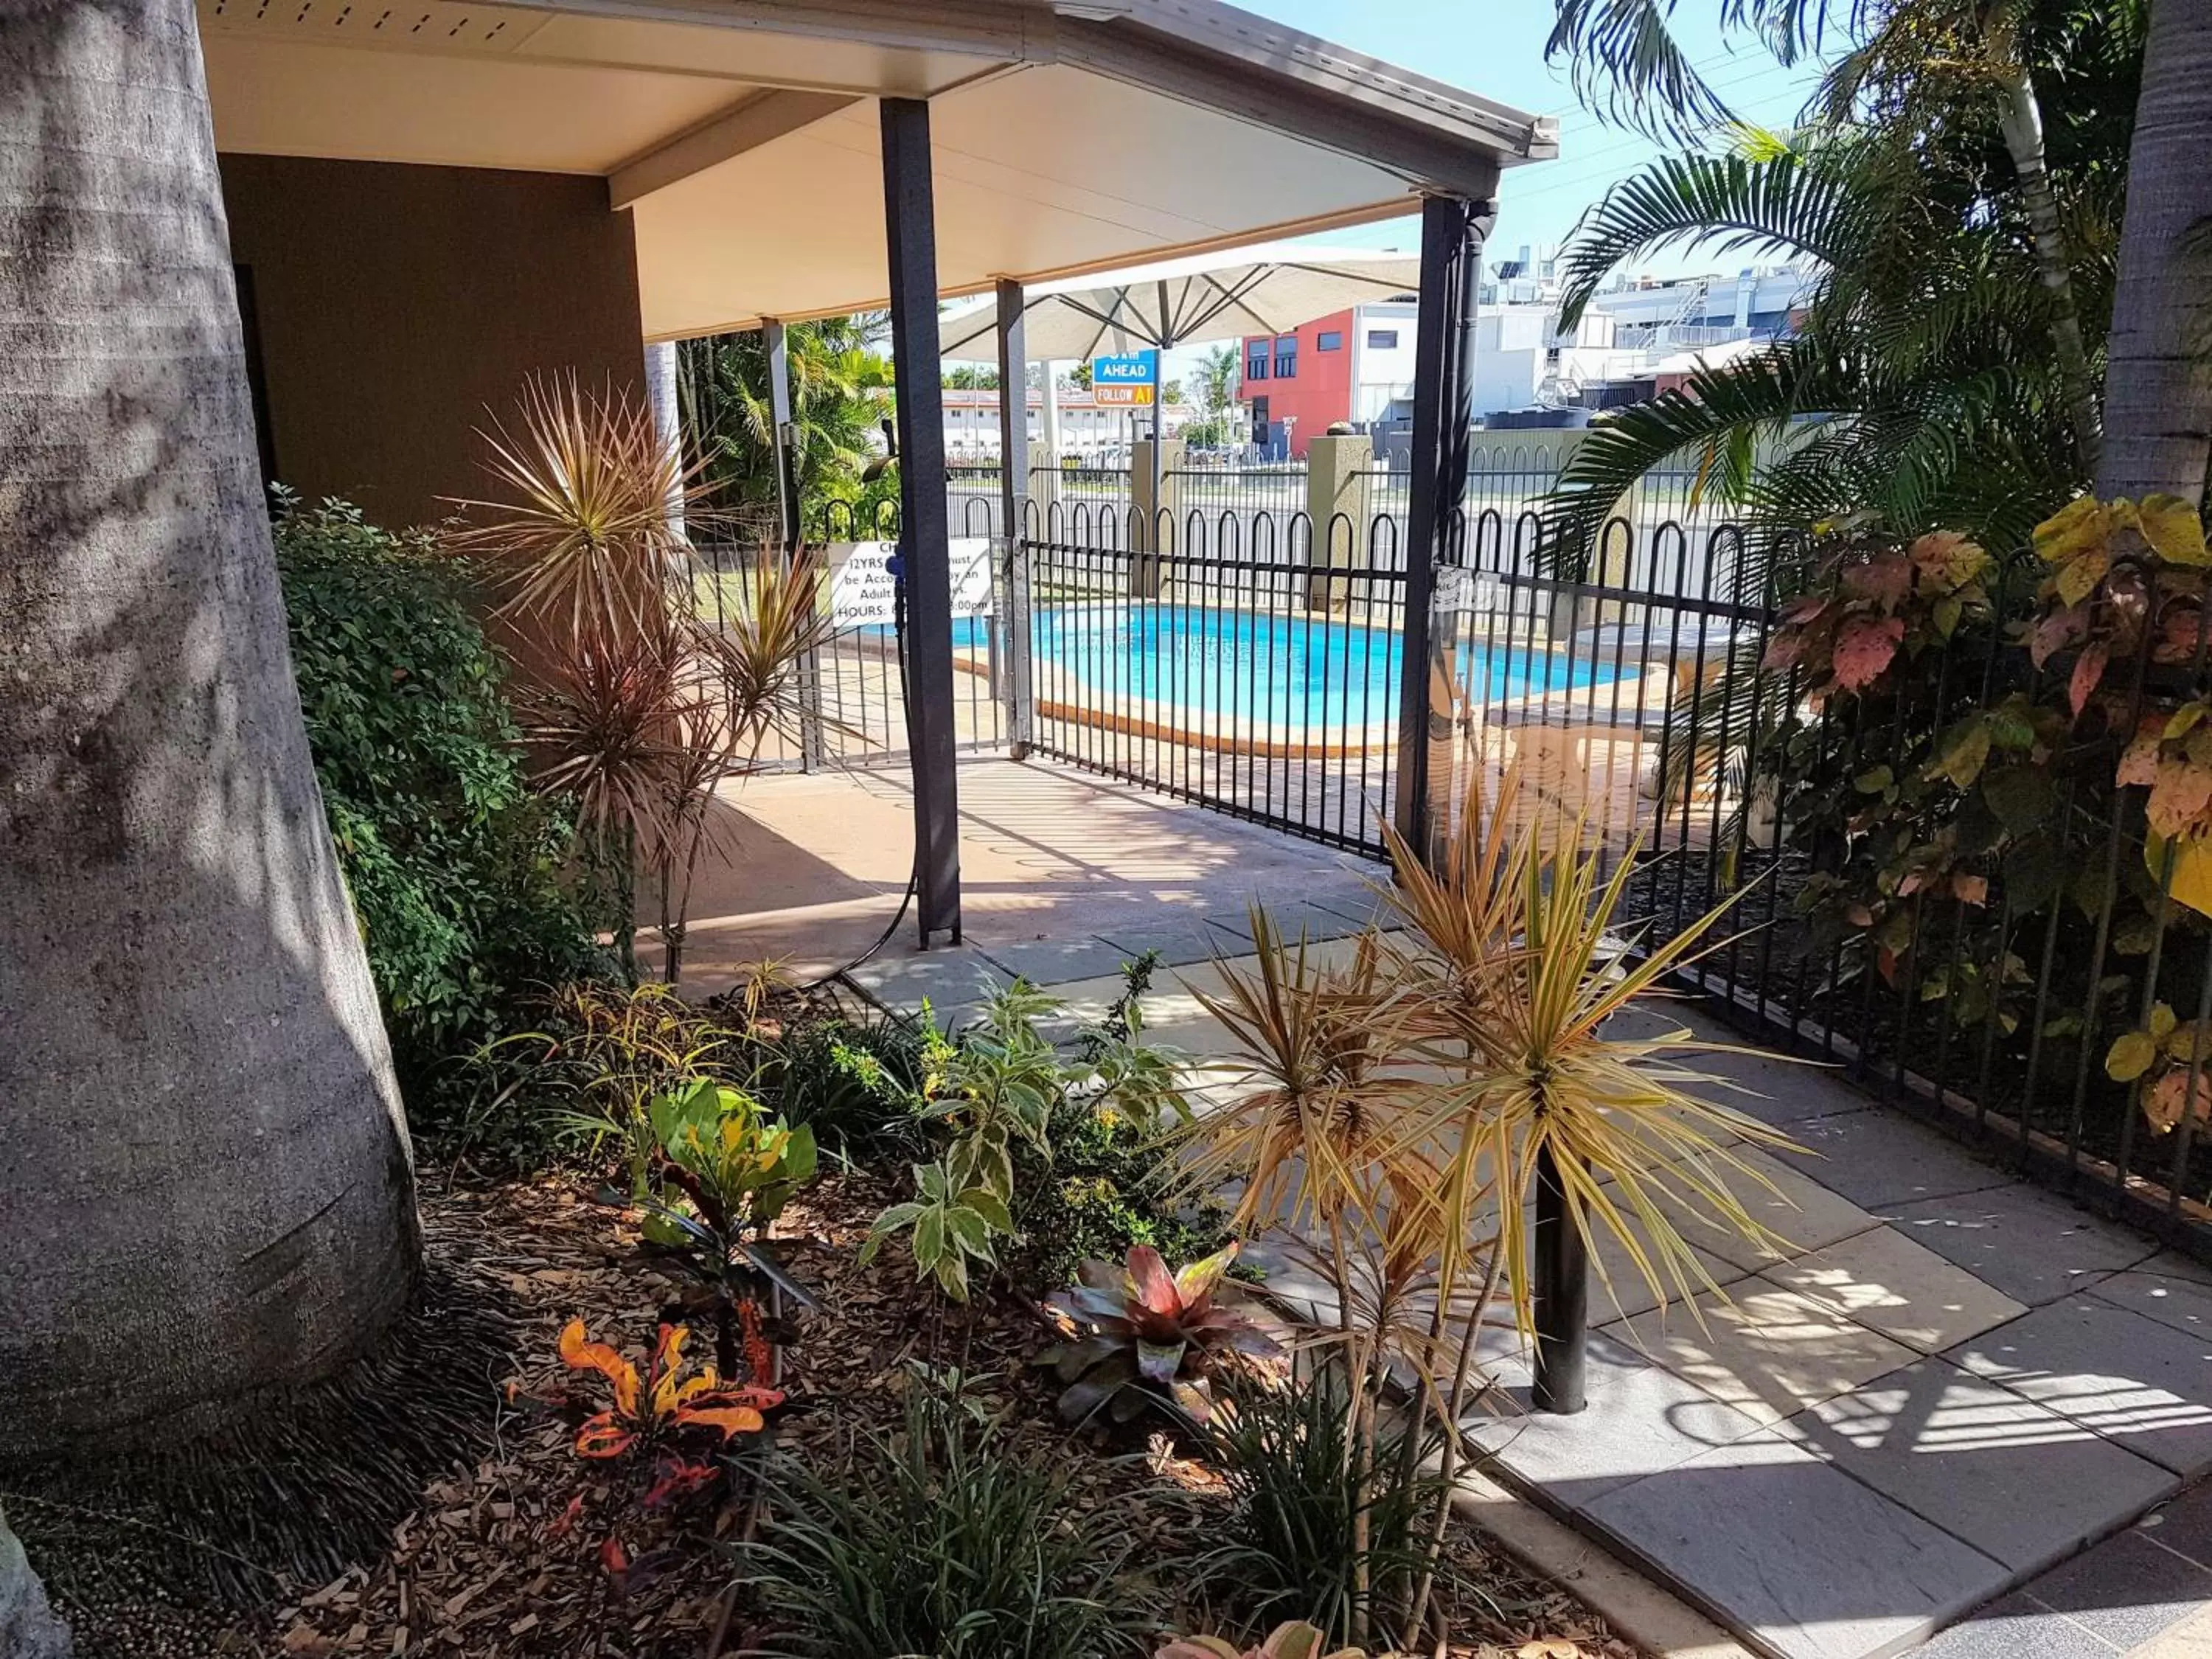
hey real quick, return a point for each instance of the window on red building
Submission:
(1287, 357)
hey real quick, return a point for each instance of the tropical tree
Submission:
(1215, 376)
(1914, 61)
(208, 1190)
(1941, 375)
(839, 396)
(2158, 387)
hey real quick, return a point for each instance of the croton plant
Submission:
(1960, 730)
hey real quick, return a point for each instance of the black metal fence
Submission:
(1945, 890)
(1971, 952)
(853, 691)
(1217, 660)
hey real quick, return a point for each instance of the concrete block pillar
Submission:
(1155, 511)
(1338, 507)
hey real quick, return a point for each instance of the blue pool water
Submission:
(1290, 669)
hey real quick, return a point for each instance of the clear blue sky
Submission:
(1496, 47)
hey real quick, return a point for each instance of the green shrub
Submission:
(857, 1087)
(997, 1100)
(1107, 1188)
(943, 1541)
(454, 867)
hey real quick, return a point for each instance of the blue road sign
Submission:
(1133, 369)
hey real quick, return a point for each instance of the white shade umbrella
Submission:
(1268, 289)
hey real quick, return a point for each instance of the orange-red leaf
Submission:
(603, 1436)
(580, 1355)
(675, 1477)
(730, 1420)
(1864, 646)
(2088, 674)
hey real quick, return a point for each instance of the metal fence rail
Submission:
(1242, 659)
(1230, 669)
(1212, 490)
(851, 693)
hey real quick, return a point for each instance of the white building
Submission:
(1087, 428)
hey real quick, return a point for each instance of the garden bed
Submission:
(480, 1565)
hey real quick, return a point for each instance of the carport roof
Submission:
(1068, 137)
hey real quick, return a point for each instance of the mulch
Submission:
(483, 1564)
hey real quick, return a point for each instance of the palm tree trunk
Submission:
(207, 1176)
(2021, 119)
(2158, 377)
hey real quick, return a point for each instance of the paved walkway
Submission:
(1948, 1387)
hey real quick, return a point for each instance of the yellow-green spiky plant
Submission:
(1515, 967)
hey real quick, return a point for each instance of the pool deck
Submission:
(1955, 1399)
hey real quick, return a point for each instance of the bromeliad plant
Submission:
(1146, 1338)
(726, 1170)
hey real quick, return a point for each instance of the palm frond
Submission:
(1627, 66)
(1789, 202)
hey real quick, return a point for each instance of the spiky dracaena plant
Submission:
(636, 706)
(1320, 1141)
(1514, 970)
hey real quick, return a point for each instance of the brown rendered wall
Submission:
(396, 305)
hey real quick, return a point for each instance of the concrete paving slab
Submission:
(952, 976)
(1881, 1279)
(2138, 1383)
(1619, 1291)
(1640, 1420)
(1796, 1554)
(2191, 1638)
(2017, 1626)
(2169, 1288)
(1181, 941)
(1770, 1352)
(2128, 1591)
(2184, 1526)
(2032, 1246)
(1879, 1158)
(2014, 1480)
(1789, 1201)
(1048, 961)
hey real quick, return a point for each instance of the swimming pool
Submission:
(1257, 666)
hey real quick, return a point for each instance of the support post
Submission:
(1155, 512)
(660, 375)
(1049, 495)
(1452, 232)
(1013, 504)
(1560, 1287)
(925, 536)
(789, 531)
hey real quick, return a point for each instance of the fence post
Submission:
(1013, 496)
(1452, 232)
(1337, 465)
(1150, 512)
